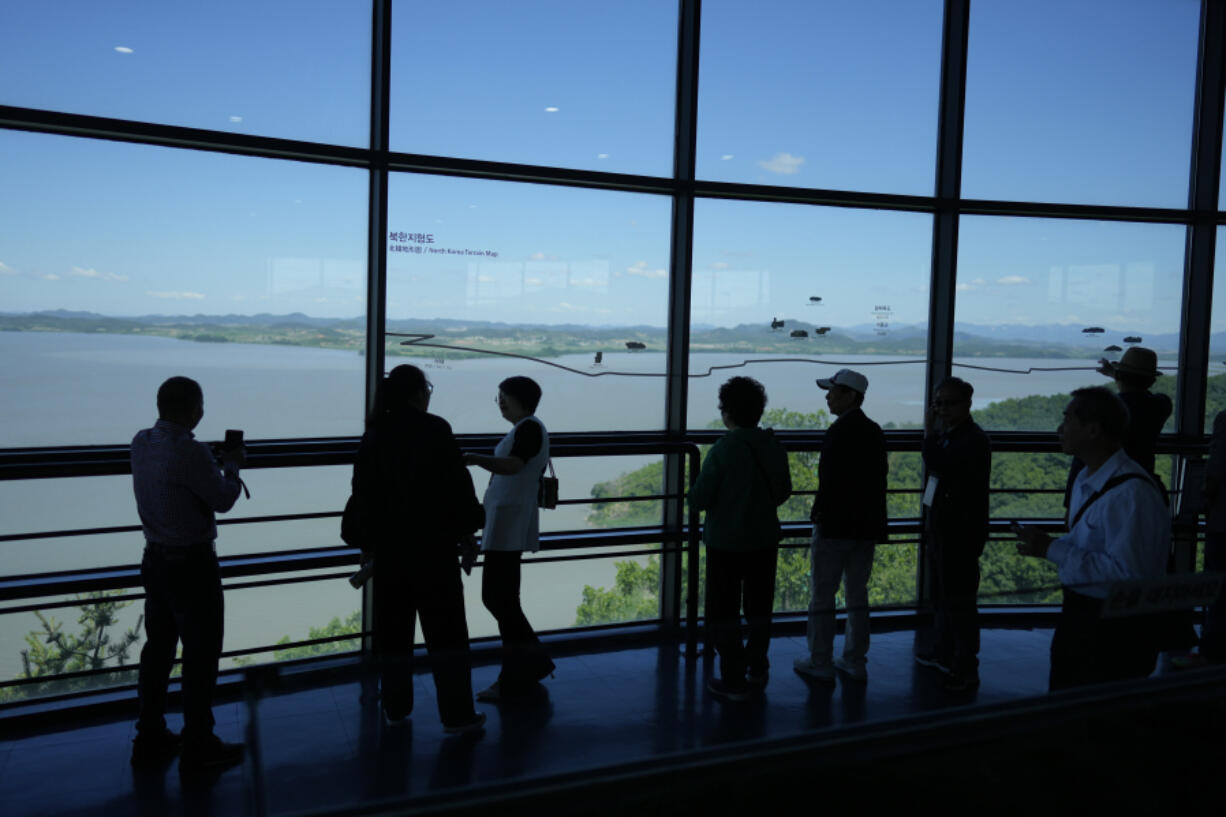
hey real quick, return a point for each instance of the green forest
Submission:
(1006, 577)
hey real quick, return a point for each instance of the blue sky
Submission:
(1083, 101)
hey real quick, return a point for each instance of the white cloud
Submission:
(551, 109)
(586, 282)
(726, 157)
(1013, 280)
(568, 307)
(48, 276)
(537, 256)
(321, 300)
(719, 265)
(602, 155)
(641, 269)
(123, 49)
(978, 282)
(236, 119)
(534, 282)
(784, 163)
(963, 287)
(5, 269)
(486, 279)
(182, 295)
(81, 272)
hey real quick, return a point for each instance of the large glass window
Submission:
(829, 95)
(787, 294)
(1041, 302)
(1215, 398)
(550, 82)
(1086, 101)
(566, 286)
(281, 68)
(121, 265)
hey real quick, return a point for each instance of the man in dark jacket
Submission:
(414, 488)
(958, 459)
(849, 519)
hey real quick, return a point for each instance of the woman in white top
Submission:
(512, 526)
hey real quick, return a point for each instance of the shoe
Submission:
(958, 683)
(930, 659)
(491, 693)
(720, 690)
(757, 679)
(822, 673)
(856, 672)
(211, 753)
(393, 718)
(1189, 660)
(156, 749)
(546, 670)
(477, 724)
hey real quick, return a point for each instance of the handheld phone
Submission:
(234, 438)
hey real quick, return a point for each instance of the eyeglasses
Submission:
(429, 387)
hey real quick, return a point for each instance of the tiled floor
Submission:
(323, 748)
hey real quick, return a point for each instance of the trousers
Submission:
(183, 602)
(406, 588)
(739, 579)
(1089, 649)
(849, 561)
(523, 656)
(954, 568)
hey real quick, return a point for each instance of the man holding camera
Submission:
(179, 484)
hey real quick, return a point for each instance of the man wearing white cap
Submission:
(849, 518)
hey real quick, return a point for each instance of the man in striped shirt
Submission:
(179, 485)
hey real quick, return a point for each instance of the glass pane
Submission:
(1007, 578)
(789, 293)
(566, 286)
(121, 265)
(1026, 477)
(262, 616)
(1041, 301)
(1085, 101)
(830, 95)
(282, 68)
(553, 82)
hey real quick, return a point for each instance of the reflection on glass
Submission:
(568, 287)
(830, 95)
(269, 69)
(123, 265)
(1041, 301)
(583, 85)
(1085, 101)
(796, 293)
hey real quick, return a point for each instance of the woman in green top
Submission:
(744, 478)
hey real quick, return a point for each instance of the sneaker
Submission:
(823, 673)
(545, 670)
(477, 724)
(959, 683)
(156, 749)
(720, 690)
(856, 672)
(757, 678)
(491, 693)
(211, 753)
(930, 659)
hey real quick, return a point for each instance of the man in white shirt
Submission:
(1119, 530)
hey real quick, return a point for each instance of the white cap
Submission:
(845, 377)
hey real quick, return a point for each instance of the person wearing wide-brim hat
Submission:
(1134, 374)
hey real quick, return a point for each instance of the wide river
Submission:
(65, 389)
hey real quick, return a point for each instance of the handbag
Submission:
(355, 530)
(547, 491)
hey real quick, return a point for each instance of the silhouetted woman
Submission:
(416, 492)
(512, 526)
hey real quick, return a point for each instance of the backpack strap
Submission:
(1118, 479)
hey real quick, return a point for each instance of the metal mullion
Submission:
(376, 282)
(1203, 187)
(948, 188)
(682, 237)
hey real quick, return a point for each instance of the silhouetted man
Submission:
(1119, 530)
(179, 484)
(849, 518)
(958, 458)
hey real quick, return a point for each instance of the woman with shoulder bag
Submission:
(512, 526)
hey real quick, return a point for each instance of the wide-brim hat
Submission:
(845, 377)
(1137, 361)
